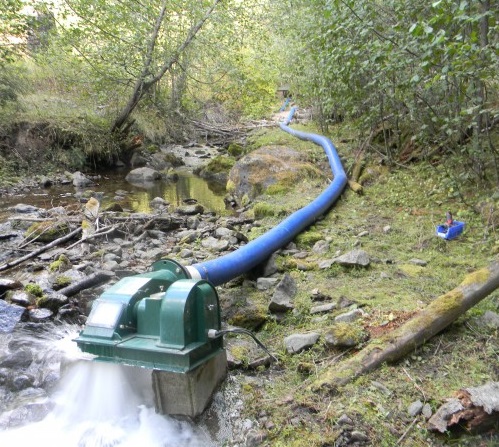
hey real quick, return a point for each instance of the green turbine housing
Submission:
(158, 320)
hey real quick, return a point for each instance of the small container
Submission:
(446, 232)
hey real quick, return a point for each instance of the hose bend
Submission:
(223, 269)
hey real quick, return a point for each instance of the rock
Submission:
(240, 310)
(33, 412)
(190, 210)
(80, 181)
(321, 247)
(283, 295)
(114, 207)
(344, 420)
(143, 175)
(415, 408)
(255, 438)
(323, 308)
(40, 315)
(9, 284)
(427, 412)
(266, 283)
(379, 386)
(19, 359)
(213, 244)
(266, 166)
(137, 160)
(349, 317)
(325, 264)
(158, 203)
(490, 319)
(344, 335)
(354, 258)
(358, 436)
(186, 253)
(53, 301)
(21, 298)
(10, 315)
(298, 342)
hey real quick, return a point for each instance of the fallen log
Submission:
(93, 280)
(474, 409)
(34, 253)
(421, 328)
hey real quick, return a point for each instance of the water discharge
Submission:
(98, 404)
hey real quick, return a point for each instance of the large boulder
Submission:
(143, 175)
(255, 172)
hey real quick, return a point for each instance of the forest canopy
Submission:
(416, 77)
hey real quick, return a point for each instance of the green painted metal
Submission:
(159, 319)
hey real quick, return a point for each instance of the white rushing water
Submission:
(101, 405)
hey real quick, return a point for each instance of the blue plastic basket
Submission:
(451, 232)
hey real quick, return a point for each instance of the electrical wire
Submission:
(239, 330)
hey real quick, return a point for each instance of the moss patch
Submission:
(47, 231)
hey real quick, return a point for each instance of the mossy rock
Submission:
(47, 231)
(254, 173)
(249, 318)
(345, 335)
(217, 169)
(34, 289)
(62, 281)
(61, 264)
(309, 238)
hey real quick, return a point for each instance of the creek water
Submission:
(92, 404)
(135, 198)
(59, 399)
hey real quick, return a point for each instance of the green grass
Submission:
(411, 202)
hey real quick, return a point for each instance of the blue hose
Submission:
(221, 270)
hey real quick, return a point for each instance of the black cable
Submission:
(253, 336)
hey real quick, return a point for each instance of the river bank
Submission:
(393, 224)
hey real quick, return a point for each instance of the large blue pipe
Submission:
(221, 270)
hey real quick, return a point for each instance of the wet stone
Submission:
(40, 315)
(9, 284)
(22, 298)
(10, 315)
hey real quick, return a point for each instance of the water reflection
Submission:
(137, 199)
(187, 186)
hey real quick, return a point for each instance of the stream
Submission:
(52, 394)
(131, 197)
(76, 402)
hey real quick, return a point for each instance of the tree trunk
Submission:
(145, 81)
(429, 322)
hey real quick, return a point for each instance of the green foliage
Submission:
(262, 209)
(418, 75)
(12, 27)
